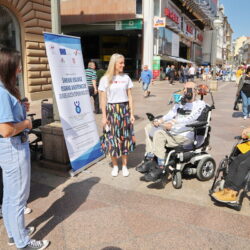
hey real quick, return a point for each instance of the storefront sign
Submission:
(172, 15)
(200, 37)
(73, 100)
(135, 24)
(189, 29)
(159, 22)
(156, 66)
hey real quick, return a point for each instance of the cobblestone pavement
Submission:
(96, 211)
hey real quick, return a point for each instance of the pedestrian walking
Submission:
(244, 91)
(118, 112)
(183, 78)
(167, 70)
(172, 75)
(146, 79)
(14, 154)
(92, 85)
(191, 73)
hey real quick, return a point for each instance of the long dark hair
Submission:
(9, 63)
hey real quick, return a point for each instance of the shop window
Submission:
(157, 8)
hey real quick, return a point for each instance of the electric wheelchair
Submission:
(189, 159)
(222, 172)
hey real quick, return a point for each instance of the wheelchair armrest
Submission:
(196, 124)
(31, 115)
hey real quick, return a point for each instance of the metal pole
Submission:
(148, 34)
(56, 28)
(214, 52)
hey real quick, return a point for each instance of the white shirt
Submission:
(117, 90)
(179, 127)
(191, 71)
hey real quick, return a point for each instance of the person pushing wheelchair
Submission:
(171, 131)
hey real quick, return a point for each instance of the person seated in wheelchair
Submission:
(235, 179)
(170, 131)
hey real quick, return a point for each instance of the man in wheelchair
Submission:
(170, 131)
(235, 179)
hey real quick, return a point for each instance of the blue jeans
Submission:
(15, 164)
(145, 86)
(245, 103)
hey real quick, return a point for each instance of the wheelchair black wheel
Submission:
(177, 180)
(206, 168)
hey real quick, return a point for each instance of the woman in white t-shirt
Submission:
(117, 112)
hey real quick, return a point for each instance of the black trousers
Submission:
(96, 99)
(1, 187)
(238, 171)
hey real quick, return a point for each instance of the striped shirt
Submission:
(90, 75)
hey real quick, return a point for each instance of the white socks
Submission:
(115, 171)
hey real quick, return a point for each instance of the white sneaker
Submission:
(245, 117)
(125, 171)
(27, 210)
(115, 171)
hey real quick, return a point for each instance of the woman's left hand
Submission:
(132, 119)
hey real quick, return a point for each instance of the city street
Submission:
(94, 210)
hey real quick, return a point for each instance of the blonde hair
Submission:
(111, 68)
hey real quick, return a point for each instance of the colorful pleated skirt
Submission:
(121, 136)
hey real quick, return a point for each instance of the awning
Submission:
(177, 59)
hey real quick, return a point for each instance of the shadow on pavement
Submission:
(237, 114)
(137, 156)
(38, 190)
(74, 196)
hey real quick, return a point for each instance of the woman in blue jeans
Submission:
(14, 154)
(244, 91)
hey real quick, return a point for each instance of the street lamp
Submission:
(217, 23)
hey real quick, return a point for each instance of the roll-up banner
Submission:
(72, 96)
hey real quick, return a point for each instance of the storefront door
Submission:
(10, 36)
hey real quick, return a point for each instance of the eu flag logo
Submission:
(62, 51)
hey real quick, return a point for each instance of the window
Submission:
(157, 8)
(10, 36)
(138, 6)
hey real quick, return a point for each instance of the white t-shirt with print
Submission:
(117, 90)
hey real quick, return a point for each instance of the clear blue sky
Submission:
(238, 13)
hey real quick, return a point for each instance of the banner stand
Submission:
(74, 173)
(78, 125)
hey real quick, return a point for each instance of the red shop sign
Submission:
(189, 29)
(200, 37)
(171, 15)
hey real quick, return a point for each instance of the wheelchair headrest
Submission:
(204, 114)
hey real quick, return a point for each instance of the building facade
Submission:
(129, 29)
(240, 50)
(113, 27)
(21, 27)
